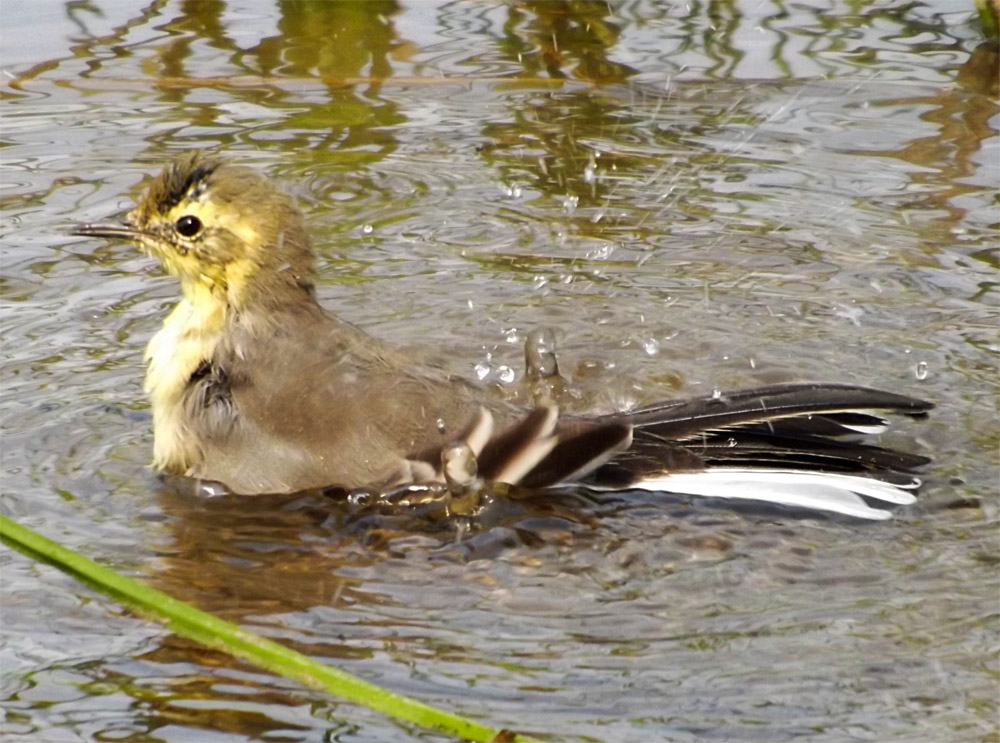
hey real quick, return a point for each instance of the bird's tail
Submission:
(796, 445)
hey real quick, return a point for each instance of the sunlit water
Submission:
(690, 203)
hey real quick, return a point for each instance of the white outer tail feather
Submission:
(873, 429)
(836, 493)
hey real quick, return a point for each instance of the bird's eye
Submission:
(188, 226)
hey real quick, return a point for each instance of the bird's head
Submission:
(222, 228)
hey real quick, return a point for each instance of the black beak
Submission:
(122, 231)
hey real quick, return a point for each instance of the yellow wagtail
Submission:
(254, 385)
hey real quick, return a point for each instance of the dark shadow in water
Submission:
(238, 556)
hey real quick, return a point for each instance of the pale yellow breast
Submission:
(187, 339)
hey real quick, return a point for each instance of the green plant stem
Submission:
(218, 634)
(989, 17)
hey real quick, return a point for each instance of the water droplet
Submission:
(511, 335)
(601, 254)
(459, 464)
(731, 443)
(539, 354)
(921, 370)
(367, 229)
(538, 281)
(441, 427)
(716, 394)
(360, 498)
(211, 489)
(482, 370)
(570, 204)
(505, 374)
(513, 191)
(651, 346)
(588, 173)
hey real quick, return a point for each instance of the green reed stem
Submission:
(218, 634)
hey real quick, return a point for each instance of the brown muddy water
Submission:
(693, 196)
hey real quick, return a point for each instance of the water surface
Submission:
(695, 199)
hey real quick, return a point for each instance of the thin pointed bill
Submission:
(121, 231)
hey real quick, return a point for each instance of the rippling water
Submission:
(735, 194)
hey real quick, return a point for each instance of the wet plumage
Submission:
(254, 385)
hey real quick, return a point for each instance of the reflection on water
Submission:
(691, 199)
